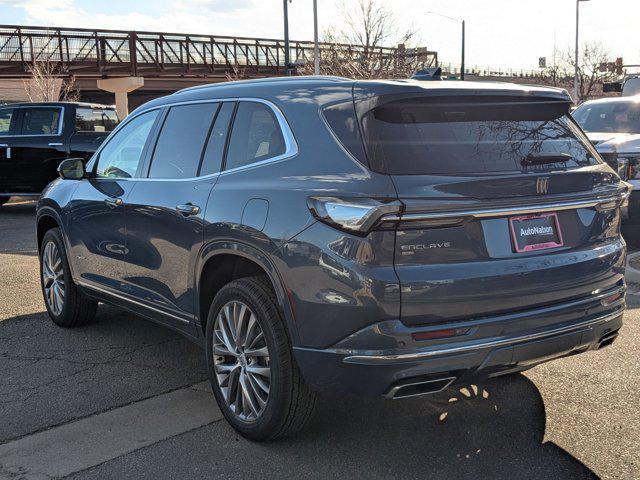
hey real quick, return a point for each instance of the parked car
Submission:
(319, 234)
(36, 137)
(613, 125)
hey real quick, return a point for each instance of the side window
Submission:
(255, 136)
(121, 155)
(95, 120)
(212, 160)
(181, 141)
(6, 114)
(41, 121)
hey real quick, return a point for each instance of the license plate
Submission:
(535, 232)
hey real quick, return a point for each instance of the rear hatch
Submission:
(507, 206)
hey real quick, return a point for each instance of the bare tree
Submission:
(236, 73)
(49, 84)
(590, 76)
(360, 48)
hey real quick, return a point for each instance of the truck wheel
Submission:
(251, 367)
(66, 304)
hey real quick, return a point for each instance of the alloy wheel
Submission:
(53, 277)
(241, 360)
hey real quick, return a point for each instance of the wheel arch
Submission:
(46, 219)
(224, 260)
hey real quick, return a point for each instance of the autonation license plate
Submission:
(535, 232)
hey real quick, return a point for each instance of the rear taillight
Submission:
(353, 214)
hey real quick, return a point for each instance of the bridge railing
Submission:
(104, 52)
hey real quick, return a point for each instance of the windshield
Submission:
(612, 117)
(417, 136)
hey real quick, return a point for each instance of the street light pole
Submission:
(575, 76)
(286, 37)
(462, 62)
(316, 46)
(463, 38)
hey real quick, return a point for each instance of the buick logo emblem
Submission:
(542, 185)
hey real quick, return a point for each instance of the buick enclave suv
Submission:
(323, 234)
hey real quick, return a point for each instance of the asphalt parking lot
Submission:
(124, 398)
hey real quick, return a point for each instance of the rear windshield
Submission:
(95, 120)
(613, 117)
(418, 136)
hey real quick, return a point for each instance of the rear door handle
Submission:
(56, 144)
(188, 209)
(113, 202)
(4, 145)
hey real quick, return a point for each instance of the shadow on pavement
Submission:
(494, 430)
(490, 431)
(51, 375)
(17, 222)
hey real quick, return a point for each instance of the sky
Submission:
(500, 33)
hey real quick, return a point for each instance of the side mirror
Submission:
(72, 169)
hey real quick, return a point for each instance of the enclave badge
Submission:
(542, 185)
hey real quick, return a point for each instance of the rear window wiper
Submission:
(545, 158)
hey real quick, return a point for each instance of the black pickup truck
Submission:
(36, 137)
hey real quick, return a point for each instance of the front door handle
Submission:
(188, 209)
(113, 202)
(56, 144)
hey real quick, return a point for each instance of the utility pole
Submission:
(287, 61)
(316, 46)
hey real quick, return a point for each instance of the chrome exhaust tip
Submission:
(415, 388)
(607, 339)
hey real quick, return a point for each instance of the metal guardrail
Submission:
(489, 71)
(116, 52)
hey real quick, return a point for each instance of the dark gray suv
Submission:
(324, 234)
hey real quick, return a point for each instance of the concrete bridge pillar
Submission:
(121, 86)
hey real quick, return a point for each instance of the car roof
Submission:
(400, 84)
(283, 88)
(629, 99)
(60, 104)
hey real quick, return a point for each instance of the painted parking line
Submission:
(93, 440)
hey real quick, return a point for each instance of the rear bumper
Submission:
(383, 357)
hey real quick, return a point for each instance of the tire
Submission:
(74, 308)
(288, 404)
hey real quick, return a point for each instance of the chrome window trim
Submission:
(60, 121)
(291, 145)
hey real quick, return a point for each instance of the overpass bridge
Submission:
(138, 66)
(150, 64)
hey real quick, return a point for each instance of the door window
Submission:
(181, 141)
(6, 114)
(95, 120)
(256, 136)
(41, 121)
(121, 156)
(212, 160)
